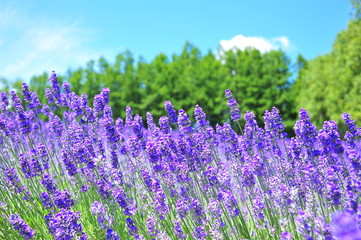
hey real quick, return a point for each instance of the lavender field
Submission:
(68, 170)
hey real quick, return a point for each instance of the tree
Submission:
(331, 84)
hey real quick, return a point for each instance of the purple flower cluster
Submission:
(66, 225)
(20, 225)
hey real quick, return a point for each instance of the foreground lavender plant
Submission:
(82, 175)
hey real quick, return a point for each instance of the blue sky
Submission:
(38, 36)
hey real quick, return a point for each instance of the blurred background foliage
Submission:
(326, 86)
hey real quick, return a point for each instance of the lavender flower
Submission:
(247, 176)
(351, 125)
(66, 87)
(172, 114)
(16, 102)
(184, 123)
(84, 101)
(13, 179)
(48, 183)
(98, 103)
(55, 87)
(151, 226)
(105, 94)
(129, 116)
(178, 230)
(121, 198)
(164, 125)
(46, 200)
(199, 233)
(233, 106)
(200, 117)
(20, 225)
(4, 102)
(66, 225)
(24, 122)
(26, 92)
(63, 200)
(329, 139)
(273, 123)
(132, 229)
(111, 235)
(332, 187)
(258, 207)
(30, 168)
(99, 210)
(182, 208)
(161, 206)
(49, 96)
(305, 131)
(35, 103)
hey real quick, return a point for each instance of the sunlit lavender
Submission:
(69, 170)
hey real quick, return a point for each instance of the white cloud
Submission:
(262, 44)
(44, 48)
(31, 45)
(285, 43)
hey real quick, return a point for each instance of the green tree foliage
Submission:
(331, 84)
(258, 81)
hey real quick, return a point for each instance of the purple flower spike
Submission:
(184, 123)
(273, 123)
(98, 103)
(84, 101)
(132, 229)
(350, 123)
(233, 106)
(26, 92)
(199, 233)
(20, 225)
(13, 179)
(54, 84)
(172, 114)
(305, 131)
(105, 93)
(46, 200)
(66, 87)
(16, 102)
(4, 102)
(178, 230)
(24, 122)
(48, 183)
(164, 124)
(200, 117)
(150, 122)
(128, 116)
(111, 235)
